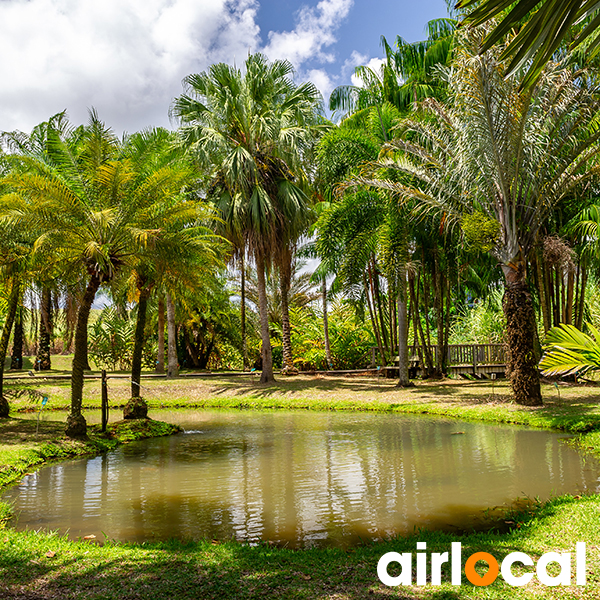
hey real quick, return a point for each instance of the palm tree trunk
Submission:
(172, 363)
(447, 325)
(160, 359)
(326, 323)
(13, 303)
(417, 327)
(521, 365)
(570, 290)
(287, 368)
(377, 301)
(43, 362)
(581, 308)
(76, 425)
(438, 307)
(542, 292)
(403, 380)
(246, 362)
(137, 408)
(16, 359)
(374, 321)
(267, 355)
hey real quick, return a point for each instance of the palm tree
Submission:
(409, 74)
(79, 197)
(249, 131)
(33, 147)
(543, 25)
(15, 268)
(502, 156)
(181, 249)
(569, 351)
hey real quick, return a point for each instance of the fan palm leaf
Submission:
(568, 351)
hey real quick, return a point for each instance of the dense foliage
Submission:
(450, 204)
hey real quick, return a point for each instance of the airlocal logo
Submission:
(505, 569)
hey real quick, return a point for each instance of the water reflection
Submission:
(301, 477)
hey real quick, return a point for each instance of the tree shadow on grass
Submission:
(19, 431)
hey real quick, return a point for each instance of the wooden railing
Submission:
(458, 354)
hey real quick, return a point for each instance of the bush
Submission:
(349, 338)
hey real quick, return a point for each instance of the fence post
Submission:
(475, 353)
(104, 401)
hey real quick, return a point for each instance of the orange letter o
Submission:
(472, 574)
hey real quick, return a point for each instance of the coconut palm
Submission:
(502, 156)
(249, 131)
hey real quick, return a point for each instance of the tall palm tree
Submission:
(79, 198)
(502, 156)
(249, 131)
(16, 269)
(408, 75)
(182, 247)
(34, 148)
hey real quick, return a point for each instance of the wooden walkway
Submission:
(482, 361)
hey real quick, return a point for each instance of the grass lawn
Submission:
(42, 565)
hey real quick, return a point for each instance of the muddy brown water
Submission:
(301, 478)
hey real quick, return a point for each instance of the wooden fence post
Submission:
(104, 401)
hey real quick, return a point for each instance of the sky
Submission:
(126, 58)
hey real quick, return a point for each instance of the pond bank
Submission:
(41, 565)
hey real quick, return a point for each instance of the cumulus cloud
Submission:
(314, 31)
(126, 58)
(375, 64)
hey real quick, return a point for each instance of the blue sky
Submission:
(127, 57)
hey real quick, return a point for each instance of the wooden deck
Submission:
(482, 361)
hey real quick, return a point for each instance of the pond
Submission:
(301, 478)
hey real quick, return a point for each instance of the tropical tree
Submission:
(15, 268)
(34, 146)
(409, 74)
(80, 199)
(542, 25)
(503, 157)
(249, 131)
(569, 351)
(182, 247)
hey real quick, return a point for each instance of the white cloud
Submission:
(375, 64)
(126, 58)
(324, 81)
(356, 58)
(314, 31)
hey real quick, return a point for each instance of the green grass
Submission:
(50, 566)
(43, 565)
